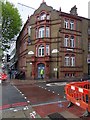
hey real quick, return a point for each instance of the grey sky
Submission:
(66, 5)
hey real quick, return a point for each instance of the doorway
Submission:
(41, 66)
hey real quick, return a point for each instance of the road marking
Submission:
(25, 97)
(48, 103)
(28, 101)
(15, 110)
(56, 84)
(53, 91)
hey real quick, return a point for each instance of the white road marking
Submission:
(56, 84)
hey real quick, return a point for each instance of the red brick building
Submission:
(54, 41)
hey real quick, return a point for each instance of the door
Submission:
(41, 66)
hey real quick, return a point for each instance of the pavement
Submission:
(47, 110)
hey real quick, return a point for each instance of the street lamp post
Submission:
(58, 52)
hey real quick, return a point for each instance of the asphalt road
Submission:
(11, 95)
(57, 87)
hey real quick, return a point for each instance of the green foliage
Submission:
(11, 23)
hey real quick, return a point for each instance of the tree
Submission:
(11, 23)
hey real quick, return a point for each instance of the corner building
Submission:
(54, 41)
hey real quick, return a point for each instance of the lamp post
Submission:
(58, 52)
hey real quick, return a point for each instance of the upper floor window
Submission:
(72, 61)
(48, 17)
(47, 49)
(41, 32)
(36, 33)
(43, 16)
(66, 41)
(66, 23)
(72, 24)
(47, 32)
(29, 30)
(41, 51)
(89, 47)
(67, 61)
(72, 41)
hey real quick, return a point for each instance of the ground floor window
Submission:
(69, 74)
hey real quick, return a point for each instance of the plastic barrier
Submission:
(79, 93)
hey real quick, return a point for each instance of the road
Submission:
(39, 96)
(11, 96)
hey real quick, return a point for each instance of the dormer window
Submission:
(43, 16)
(38, 18)
(48, 17)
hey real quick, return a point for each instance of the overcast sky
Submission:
(66, 5)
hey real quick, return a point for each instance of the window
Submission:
(71, 24)
(66, 41)
(47, 49)
(72, 61)
(47, 32)
(72, 41)
(66, 23)
(67, 61)
(41, 51)
(41, 32)
(29, 30)
(36, 33)
(43, 16)
(48, 17)
(89, 47)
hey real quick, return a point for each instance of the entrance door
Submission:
(41, 66)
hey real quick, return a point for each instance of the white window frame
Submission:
(43, 16)
(72, 44)
(41, 51)
(29, 30)
(66, 23)
(89, 47)
(41, 32)
(47, 32)
(47, 50)
(72, 24)
(48, 17)
(36, 33)
(67, 61)
(66, 41)
(72, 61)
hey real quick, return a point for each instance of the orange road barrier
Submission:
(79, 93)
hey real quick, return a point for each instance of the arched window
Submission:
(72, 41)
(41, 32)
(66, 23)
(72, 60)
(47, 32)
(67, 60)
(42, 16)
(41, 50)
(66, 41)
